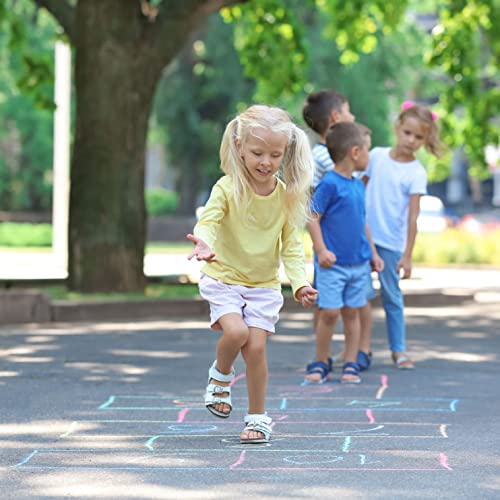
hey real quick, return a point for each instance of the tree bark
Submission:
(115, 81)
(120, 53)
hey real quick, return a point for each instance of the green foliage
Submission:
(160, 201)
(393, 69)
(270, 36)
(466, 47)
(270, 41)
(25, 30)
(368, 49)
(26, 116)
(354, 25)
(195, 99)
(25, 235)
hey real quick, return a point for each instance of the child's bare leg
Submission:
(365, 316)
(234, 336)
(351, 318)
(341, 355)
(315, 317)
(254, 354)
(324, 333)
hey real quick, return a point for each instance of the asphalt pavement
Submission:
(115, 410)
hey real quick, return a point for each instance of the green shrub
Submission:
(22, 234)
(160, 201)
(455, 246)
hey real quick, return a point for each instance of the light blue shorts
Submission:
(342, 285)
(370, 290)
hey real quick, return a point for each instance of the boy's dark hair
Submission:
(318, 106)
(343, 136)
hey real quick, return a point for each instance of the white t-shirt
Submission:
(390, 185)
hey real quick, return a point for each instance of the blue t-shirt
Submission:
(341, 204)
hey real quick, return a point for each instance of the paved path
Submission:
(115, 411)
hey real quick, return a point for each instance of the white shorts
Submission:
(259, 307)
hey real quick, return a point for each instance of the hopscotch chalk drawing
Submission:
(315, 429)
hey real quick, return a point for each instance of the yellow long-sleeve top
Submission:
(248, 251)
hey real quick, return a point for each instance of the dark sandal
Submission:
(320, 368)
(364, 360)
(350, 369)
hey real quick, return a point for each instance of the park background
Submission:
(443, 54)
(102, 397)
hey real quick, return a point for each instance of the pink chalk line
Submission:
(182, 414)
(240, 460)
(443, 460)
(282, 417)
(316, 469)
(370, 416)
(384, 384)
(239, 377)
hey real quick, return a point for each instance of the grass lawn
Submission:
(153, 291)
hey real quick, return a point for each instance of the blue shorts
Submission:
(342, 285)
(370, 291)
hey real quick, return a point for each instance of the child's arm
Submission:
(201, 250)
(205, 231)
(307, 295)
(413, 211)
(376, 262)
(292, 254)
(326, 258)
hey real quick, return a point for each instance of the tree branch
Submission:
(177, 21)
(215, 5)
(62, 11)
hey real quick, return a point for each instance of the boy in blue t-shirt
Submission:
(322, 110)
(342, 244)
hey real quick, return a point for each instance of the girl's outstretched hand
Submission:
(307, 295)
(201, 250)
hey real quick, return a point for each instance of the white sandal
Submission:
(258, 422)
(403, 362)
(213, 391)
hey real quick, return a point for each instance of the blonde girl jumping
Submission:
(249, 224)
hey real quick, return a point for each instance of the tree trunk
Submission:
(115, 84)
(188, 184)
(121, 48)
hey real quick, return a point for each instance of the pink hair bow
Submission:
(410, 104)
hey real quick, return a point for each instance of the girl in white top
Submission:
(250, 221)
(396, 180)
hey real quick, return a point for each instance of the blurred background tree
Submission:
(376, 52)
(26, 105)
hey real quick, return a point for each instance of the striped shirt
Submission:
(322, 162)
